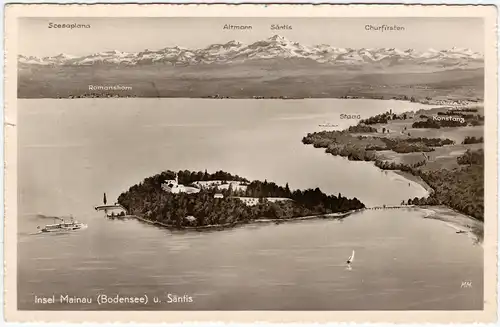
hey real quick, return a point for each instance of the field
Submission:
(258, 79)
(441, 157)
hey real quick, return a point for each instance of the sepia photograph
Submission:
(252, 163)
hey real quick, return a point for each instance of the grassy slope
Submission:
(441, 157)
(291, 79)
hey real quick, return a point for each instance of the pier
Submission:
(110, 207)
(390, 207)
(112, 210)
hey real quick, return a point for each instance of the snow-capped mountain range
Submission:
(276, 47)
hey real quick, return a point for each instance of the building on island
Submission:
(207, 184)
(221, 185)
(191, 219)
(234, 185)
(278, 199)
(173, 186)
(251, 201)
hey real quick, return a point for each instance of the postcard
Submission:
(250, 163)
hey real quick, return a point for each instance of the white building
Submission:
(235, 186)
(206, 184)
(218, 196)
(173, 186)
(250, 201)
(221, 185)
(278, 199)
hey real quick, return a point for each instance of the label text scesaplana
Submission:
(68, 26)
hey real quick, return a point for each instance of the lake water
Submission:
(71, 151)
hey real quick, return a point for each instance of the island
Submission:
(442, 148)
(196, 200)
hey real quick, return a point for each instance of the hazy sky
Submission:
(137, 34)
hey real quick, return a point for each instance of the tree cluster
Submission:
(473, 140)
(378, 119)
(471, 158)
(361, 129)
(461, 188)
(148, 200)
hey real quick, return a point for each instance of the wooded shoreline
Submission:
(452, 171)
(256, 221)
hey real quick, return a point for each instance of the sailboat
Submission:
(350, 260)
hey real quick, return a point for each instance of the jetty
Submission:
(110, 207)
(390, 207)
(112, 210)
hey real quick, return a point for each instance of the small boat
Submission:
(460, 231)
(63, 226)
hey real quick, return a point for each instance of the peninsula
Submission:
(441, 147)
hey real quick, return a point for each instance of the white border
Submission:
(12, 12)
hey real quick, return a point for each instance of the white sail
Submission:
(351, 258)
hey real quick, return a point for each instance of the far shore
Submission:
(432, 103)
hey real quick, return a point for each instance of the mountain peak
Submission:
(278, 38)
(234, 42)
(63, 55)
(113, 52)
